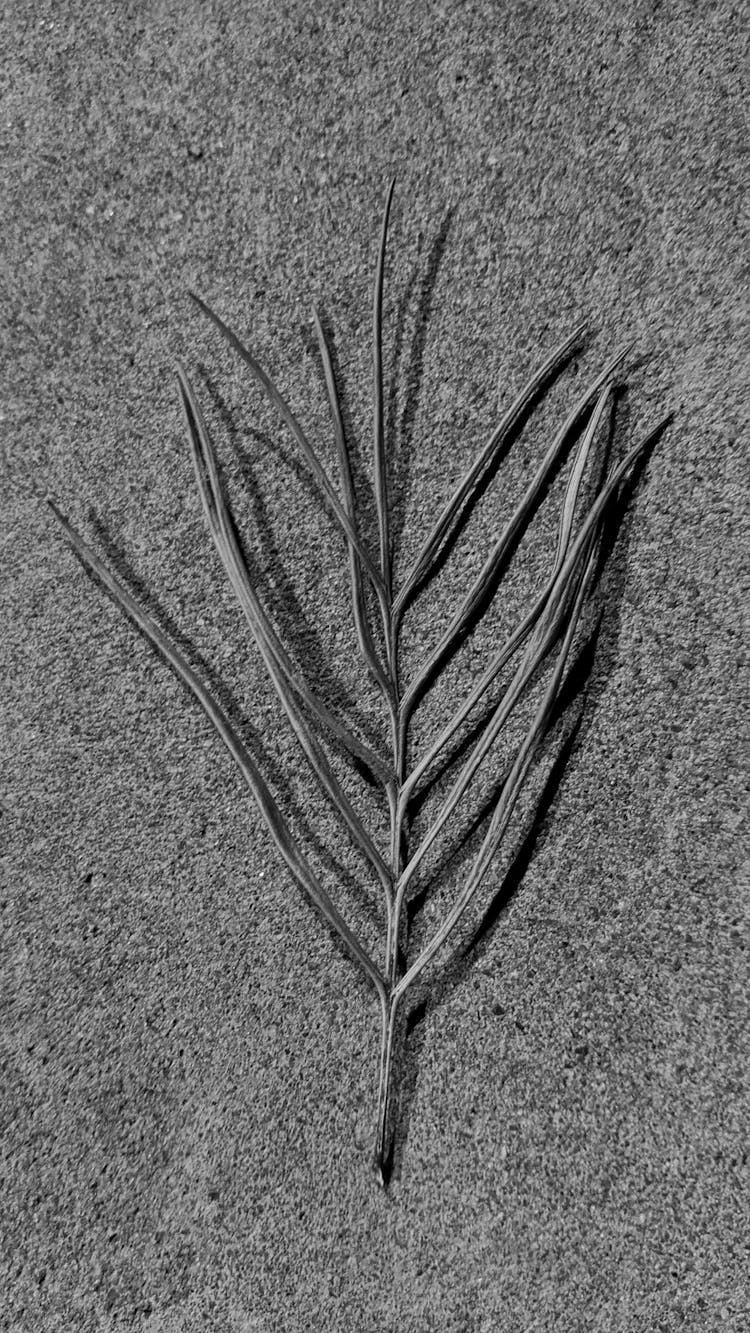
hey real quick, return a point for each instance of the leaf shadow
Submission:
(401, 428)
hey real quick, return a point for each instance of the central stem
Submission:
(389, 1001)
(388, 1014)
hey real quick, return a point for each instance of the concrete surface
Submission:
(188, 1061)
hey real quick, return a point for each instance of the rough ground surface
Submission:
(188, 1062)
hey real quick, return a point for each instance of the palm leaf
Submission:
(546, 631)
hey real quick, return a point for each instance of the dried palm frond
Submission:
(546, 631)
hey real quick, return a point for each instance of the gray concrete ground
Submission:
(188, 1061)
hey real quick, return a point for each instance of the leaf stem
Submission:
(388, 1013)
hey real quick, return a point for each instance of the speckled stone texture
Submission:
(188, 1061)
